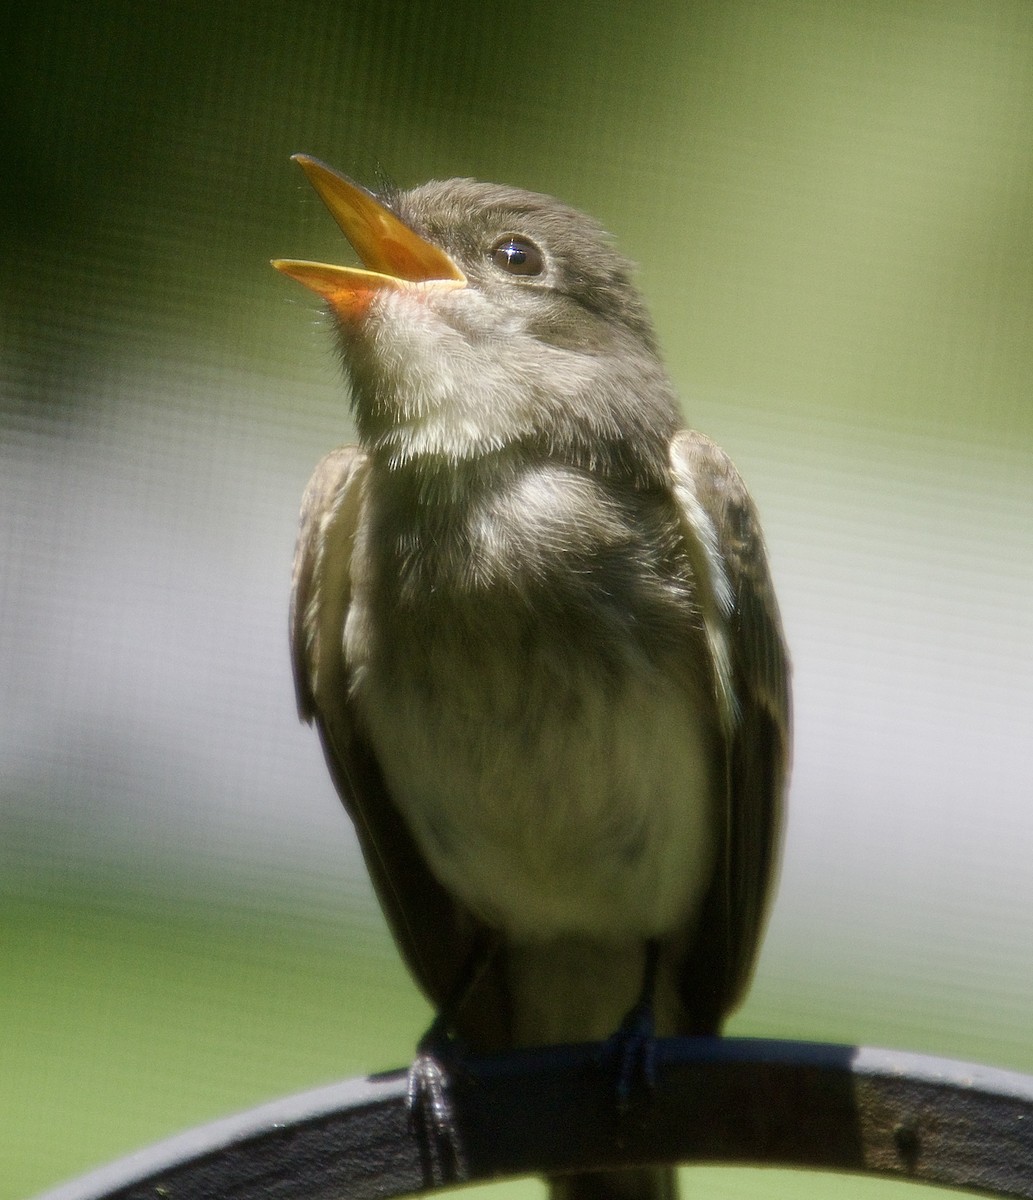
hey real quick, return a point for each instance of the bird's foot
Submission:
(634, 1043)
(431, 1117)
(634, 1047)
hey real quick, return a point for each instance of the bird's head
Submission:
(486, 316)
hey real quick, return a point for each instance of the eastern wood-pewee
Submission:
(533, 623)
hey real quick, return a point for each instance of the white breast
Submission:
(558, 778)
(599, 826)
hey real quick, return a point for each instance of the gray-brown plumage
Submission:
(533, 623)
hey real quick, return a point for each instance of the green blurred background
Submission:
(832, 206)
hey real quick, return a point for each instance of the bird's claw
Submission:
(431, 1117)
(634, 1046)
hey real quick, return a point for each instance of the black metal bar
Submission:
(791, 1104)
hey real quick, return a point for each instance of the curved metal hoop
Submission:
(772, 1103)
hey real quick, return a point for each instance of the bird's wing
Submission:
(725, 548)
(435, 934)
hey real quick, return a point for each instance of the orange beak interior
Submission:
(392, 254)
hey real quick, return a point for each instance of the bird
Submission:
(533, 622)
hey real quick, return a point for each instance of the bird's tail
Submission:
(636, 1183)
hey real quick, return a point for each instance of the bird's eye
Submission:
(518, 256)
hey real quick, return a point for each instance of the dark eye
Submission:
(518, 256)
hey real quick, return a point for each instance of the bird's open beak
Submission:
(392, 254)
